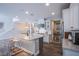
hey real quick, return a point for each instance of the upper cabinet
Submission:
(74, 16)
(66, 19)
(71, 17)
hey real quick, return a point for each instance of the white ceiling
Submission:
(39, 10)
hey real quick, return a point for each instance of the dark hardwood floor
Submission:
(51, 49)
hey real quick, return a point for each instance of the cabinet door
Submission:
(74, 15)
(67, 21)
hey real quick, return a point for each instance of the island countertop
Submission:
(33, 36)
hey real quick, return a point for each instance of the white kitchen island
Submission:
(33, 44)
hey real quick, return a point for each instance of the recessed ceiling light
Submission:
(47, 4)
(53, 13)
(15, 19)
(27, 12)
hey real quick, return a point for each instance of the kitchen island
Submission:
(32, 44)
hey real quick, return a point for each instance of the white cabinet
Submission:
(66, 19)
(46, 38)
(74, 15)
(71, 17)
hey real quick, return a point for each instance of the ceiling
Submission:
(36, 10)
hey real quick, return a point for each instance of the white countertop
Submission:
(33, 37)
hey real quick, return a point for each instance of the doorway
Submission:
(56, 31)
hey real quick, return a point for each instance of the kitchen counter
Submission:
(33, 43)
(33, 37)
